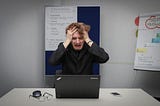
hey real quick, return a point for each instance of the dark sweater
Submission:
(78, 62)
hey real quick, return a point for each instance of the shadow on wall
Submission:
(49, 81)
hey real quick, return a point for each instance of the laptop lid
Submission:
(77, 86)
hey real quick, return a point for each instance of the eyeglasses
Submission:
(37, 95)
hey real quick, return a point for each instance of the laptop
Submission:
(77, 86)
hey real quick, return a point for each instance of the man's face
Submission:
(77, 41)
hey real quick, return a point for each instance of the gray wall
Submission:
(22, 43)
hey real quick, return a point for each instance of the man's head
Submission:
(77, 37)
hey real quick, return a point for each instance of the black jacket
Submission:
(78, 62)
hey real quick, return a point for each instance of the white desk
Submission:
(128, 97)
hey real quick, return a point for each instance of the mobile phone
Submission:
(115, 93)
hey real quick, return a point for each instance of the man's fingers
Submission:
(72, 31)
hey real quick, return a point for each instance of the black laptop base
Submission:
(77, 86)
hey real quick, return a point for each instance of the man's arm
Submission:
(57, 56)
(69, 34)
(100, 56)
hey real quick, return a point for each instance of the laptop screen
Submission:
(77, 86)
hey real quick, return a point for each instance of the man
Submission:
(78, 52)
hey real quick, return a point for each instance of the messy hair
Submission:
(80, 27)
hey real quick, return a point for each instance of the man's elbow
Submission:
(105, 58)
(51, 61)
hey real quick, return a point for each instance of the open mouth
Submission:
(77, 45)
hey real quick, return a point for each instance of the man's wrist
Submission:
(89, 41)
(66, 43)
